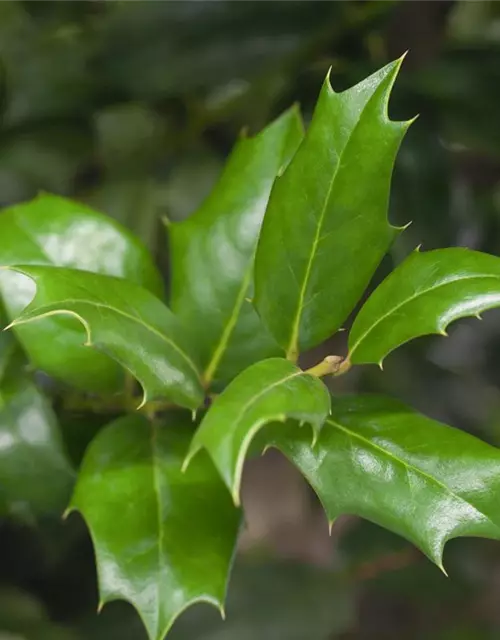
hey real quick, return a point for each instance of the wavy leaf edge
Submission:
(103, 600)
(247, 441)
(88, 332)
(443, 325)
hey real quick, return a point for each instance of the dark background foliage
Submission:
(133, 107)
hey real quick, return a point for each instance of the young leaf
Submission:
(212, 254)
(123, 320)
(380, 460)
(163, 539)
(325, 228)
(422, 296)
(51, 230)
(269, 391)
(35, 474)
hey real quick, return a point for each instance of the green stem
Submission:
(331, 365)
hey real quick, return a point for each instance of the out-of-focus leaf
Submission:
(326, 229)
(269, 391)
(38, 83)
(46, 157)
(130, 138)
(212, 254)
(35, 474)
(22, 617)
(380, 460)
(275, 600)
(54, 231)
(126, 322)
(209, 45)
(163, 539)
(422, 296)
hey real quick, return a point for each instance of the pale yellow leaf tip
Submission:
(442, 569)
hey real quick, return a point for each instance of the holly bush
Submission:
(270, 266)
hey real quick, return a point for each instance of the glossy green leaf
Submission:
(51, 230)
(35, 474)
(422, 296)
(212, 254)
(163, 539)
(326, 229)
(124, 321)
(268, 391)
(380, 460)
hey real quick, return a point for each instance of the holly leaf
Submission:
(422, 296)
(268, 391)
(380, 460)
(31, 448)
(326, 229)
(123, 320)
(51, 230)
(163, 539)
(213, 251)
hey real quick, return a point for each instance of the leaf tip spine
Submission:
(315, 438)
(330, 526)
(235, 494)
(165, 220)
(442, 569)
(328, 79)
(187, 460)
(380, 364)
(66, 512)
(144, 400)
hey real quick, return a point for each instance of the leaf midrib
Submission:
(264, 391)
(407, 466)
(222, 345)
(292, 350)
(41, 313)
(229, 327)
(159, 515)
(414, 297)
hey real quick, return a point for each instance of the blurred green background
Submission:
(133, 107)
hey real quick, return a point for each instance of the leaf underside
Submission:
(326, 229)
(382, 461)
(126, 322)
(163, 539)
(212, 254)
(427, 292)
(269, 391)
